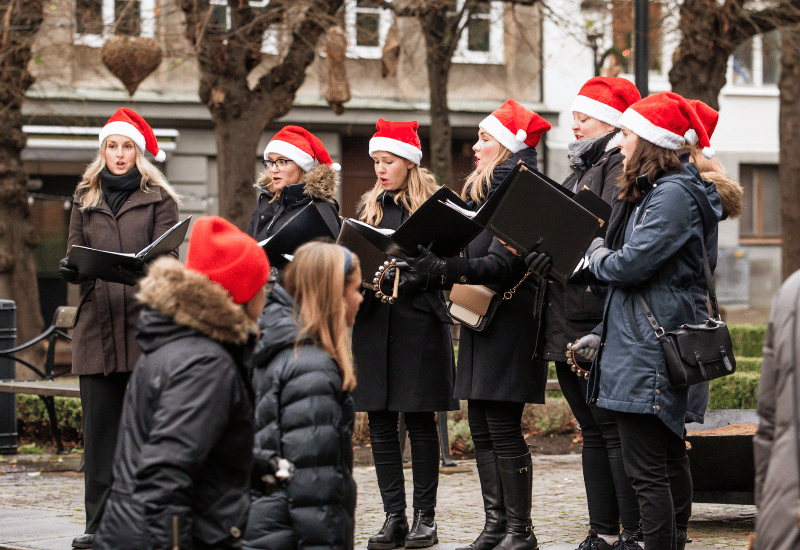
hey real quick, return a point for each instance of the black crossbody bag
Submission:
(695, 353)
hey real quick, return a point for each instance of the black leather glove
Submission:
(67, 273)
(428, 262)
(129, 276)
(540, 263)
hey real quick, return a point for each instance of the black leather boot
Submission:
(392, 534)
(682, 537)
(84, 541)
(423, 530)
(495, 527)
(516, 477)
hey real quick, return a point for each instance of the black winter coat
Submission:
(303, 415)
(497, 364)
(403, 352)
(186, 437)
(572, 310)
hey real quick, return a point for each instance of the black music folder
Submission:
(365, 242)
(308, 224)
(102, 264)
(537, 213)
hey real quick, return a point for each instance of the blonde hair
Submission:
(313, 279)
(477, 185)
(421, 185)
(89, 193)
(264, 181)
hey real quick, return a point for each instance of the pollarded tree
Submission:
(241, 109)
(789, 132)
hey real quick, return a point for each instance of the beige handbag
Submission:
(475, 305)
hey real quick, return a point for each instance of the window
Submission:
(622, 28)
(367, 26)
(220, 20)
(757, 62)
(761, 215)
(482, 39)
(95, 19)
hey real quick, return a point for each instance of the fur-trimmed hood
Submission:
(319, 183)
(729, 191)
(190, 299)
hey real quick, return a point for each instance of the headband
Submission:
(348, 260)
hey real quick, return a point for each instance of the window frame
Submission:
(269, 41)
(107, 7)
(355, 51)
(496, 53)
(757, 48)
(758, 235)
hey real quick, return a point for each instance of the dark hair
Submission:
(647, 159)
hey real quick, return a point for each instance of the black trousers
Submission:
(609, 493)
(101, 400)
(496, 426)
(655, 460)
(387, 455)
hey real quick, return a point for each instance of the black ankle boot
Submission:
(392, 534)
(492, 491)
(516, 477)
(423, 530)
(84, 541)
(682, 537)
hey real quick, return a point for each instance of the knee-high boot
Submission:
(492, 490)
(516, 478)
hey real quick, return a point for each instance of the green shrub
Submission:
(460, 437)
(31, 410)
(737, 391)
(552, 418)
(748, 364)
(30, 449)
(747, 339)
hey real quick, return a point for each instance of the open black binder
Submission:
(102, 264)
(367, 245)
(306, 225)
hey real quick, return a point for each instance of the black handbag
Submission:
(695, 353)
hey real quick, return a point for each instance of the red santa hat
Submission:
(708, 116)
(223, 253)
(398, 138)
(514, 126)
(301, 146)
(664, 119)
(606, 98)
(129, 124)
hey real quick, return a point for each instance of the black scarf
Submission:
(117, 189)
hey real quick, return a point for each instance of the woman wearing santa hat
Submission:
(573, 312)
(297, 171)
(122, 204)
(496, 370)
(660, 260)
(403, 351)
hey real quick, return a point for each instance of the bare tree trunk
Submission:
(789, 167)
(438, 63)
(21, 20)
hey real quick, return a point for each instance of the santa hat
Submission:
(514, 126)
(301, 146)
(398, 138)
(708, 116)
(129, 124)
(606, 98)
(664, 119)
(221, 252)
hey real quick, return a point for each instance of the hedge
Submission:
(31, 409)
(747, 339)
(737, 391)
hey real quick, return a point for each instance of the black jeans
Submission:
(496, 426)
(101, 400)
(654, 459)
(609, 493)
(387, 455)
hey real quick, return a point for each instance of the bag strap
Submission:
(331, 220)
(508, 294)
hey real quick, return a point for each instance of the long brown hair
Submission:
(421, 185)
(314, 279)
(89, 193)
(646, 159)
(477, 184)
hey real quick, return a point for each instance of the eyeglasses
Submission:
(280, 163)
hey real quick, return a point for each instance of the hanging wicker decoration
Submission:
(390, 54)
(338, 92)
(131, 59)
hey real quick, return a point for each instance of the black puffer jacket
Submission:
(303, 415)
(186, 437)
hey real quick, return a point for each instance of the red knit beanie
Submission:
(221, 252)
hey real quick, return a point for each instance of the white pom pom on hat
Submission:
(514, 126)
(521, 135)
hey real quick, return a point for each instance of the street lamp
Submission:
(593, 12)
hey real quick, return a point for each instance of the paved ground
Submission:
(44, 510)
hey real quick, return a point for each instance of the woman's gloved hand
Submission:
(410, 280)
(67, 273)
(598, 244)
(539, 263)
(586, 347)
(428, 262)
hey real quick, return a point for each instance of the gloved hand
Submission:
(67, 273)
(539, 263)
(428, 262)
(586, 347)
(128, 276)
(598, 243)
(270, 471)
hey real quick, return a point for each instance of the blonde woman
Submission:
(122, 204)
(302, 378)
(403, 351)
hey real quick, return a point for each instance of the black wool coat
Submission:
(403, 352)
(497, 364)
(573, 310)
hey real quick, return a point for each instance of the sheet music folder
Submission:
(306, 225)
(537, 213)
(101, 264)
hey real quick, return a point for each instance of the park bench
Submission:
(49, 384)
